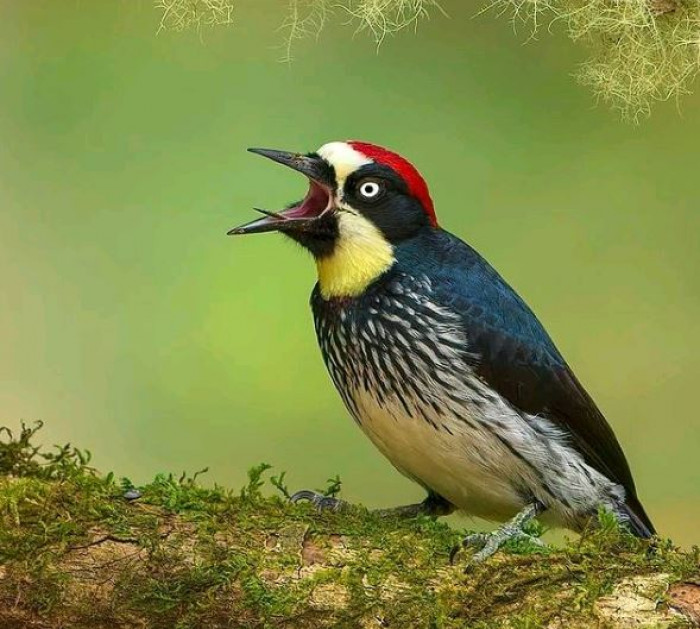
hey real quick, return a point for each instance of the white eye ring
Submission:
(370, 189)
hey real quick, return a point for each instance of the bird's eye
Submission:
(370, 189)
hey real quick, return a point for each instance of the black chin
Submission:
(319, 236)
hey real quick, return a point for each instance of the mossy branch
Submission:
(641, 51)
(74, 552)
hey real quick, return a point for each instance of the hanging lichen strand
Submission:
(180, 15)
(642, 51)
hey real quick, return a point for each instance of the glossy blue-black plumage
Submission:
(516, 356)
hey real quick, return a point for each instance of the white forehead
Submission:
(343, 158)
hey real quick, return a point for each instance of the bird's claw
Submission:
(131, 494)
(321, 502)
(489, 543)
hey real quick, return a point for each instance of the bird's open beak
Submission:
(300, 216)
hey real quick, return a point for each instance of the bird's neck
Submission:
(360, 256)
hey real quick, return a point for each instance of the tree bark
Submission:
(75, 553)
(79, 550)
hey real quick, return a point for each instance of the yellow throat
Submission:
(361, 254)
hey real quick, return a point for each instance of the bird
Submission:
(440, 362)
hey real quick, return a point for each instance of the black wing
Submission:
(519, 360)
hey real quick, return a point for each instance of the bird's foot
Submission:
(432, 506)
(319, 500)
(489, 543)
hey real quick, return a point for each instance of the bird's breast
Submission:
(401, 364)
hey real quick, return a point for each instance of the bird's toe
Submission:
(321, 502)
(487, 544)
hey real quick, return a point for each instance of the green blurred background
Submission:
(134, 327)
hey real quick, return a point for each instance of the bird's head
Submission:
(363, 200)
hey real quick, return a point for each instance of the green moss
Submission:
(74, 552)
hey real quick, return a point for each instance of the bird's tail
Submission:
(636, 518)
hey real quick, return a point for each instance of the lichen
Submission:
(641, 51)
(74, 552)
(180, 15)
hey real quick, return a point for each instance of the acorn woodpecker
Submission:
(439, 361)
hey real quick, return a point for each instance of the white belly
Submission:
(453, 460)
